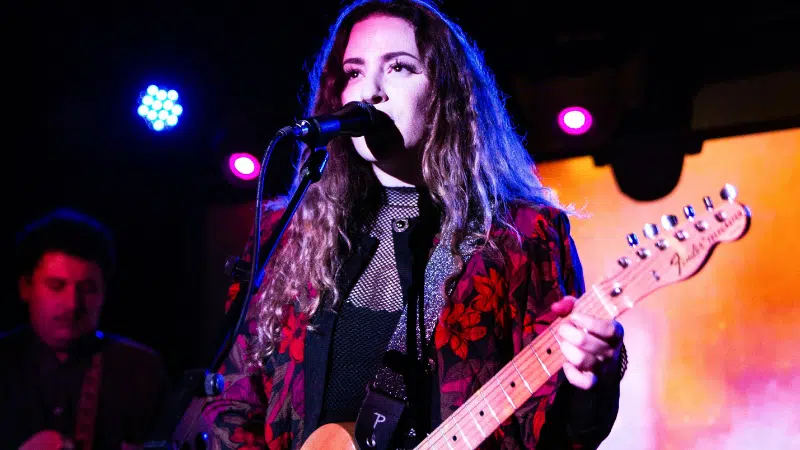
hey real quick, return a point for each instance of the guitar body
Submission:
(333, 436)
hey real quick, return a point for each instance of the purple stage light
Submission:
(244, 166)
(575, 120)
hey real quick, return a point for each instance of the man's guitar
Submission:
(670, 256)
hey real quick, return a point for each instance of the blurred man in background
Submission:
(65, 384)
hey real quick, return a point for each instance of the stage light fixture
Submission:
(159, 107)
(575, 120)
(244, 166)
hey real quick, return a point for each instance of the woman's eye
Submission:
(399, 67)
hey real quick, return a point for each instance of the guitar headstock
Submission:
(675, 249)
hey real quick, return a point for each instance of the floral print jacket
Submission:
(498, 306)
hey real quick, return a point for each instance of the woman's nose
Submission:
(372, 91)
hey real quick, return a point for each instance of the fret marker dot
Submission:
(455, 438)
(481, 413)
(549, 351)
(513, 384)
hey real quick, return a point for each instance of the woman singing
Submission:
(426, 257)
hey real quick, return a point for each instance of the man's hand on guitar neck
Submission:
(591, 346)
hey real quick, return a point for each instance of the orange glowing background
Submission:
(715, 360)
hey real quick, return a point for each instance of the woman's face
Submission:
(383, 67)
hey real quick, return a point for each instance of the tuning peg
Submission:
(633, 241)
(708, 203)
(668, 221)
(688, 211)
(728, 192)
(650, 230)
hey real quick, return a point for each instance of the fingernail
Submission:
(578, 317)
(568, 332)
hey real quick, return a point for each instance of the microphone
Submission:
(353, 119)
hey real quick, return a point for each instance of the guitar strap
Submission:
(87, 404)
(377, 421)
(400, 376)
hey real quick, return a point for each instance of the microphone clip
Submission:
(353, 119)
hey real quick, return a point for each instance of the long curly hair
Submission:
(473, 162)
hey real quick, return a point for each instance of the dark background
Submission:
(75, 71)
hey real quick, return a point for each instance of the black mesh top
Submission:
(369, 316)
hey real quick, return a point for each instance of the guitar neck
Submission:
(515, 383)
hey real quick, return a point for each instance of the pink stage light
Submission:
(575, 120)
(244, 166)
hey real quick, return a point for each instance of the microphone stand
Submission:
(182, 415)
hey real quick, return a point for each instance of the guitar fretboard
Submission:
(531, 368)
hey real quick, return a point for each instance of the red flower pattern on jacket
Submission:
(248, 439)
(492, 297)
(293, 337)
(282, 441)
(458, 326)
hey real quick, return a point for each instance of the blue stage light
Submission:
(159, 107)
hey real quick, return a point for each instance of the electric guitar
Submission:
(672, 256)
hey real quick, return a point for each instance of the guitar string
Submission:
(549, 341)
(492, 396)
(624, 278)
(523, 366)
(592, 308)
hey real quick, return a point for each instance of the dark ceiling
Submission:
(240, 69)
